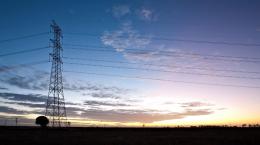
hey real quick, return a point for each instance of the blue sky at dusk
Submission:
(169, 62)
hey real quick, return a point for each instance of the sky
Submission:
(129, 63)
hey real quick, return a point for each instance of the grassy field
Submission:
(129, 136)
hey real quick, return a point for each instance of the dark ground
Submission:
(129, 136)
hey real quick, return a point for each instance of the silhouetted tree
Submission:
(42, 121)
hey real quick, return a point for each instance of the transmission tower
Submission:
(55, 106)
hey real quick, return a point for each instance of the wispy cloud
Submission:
(36, 81)
(105, 95)
(80, 87)
(3, 88)
(24, 97)
(196, 104)
(98, 109)
(76, 86)
(40, 80)
(144, 14)
(4, 68)
(24, 103)
(10, 110)
(128, 37)
(152, 53)
(125, 37)
(116, 111)
(120, 10)
(103, 103)
(133, 45)
(18, 104)
(140, 116)
(147, 14)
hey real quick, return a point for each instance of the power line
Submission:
(166, 71)
(164, 80)
(165, 54)
(171, 52)
(163, 65)
(175, 39)
(23, 51)
(23, 37)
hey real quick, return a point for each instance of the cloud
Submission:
(129, 112)
(75, 86)
(39, 81)
(3, 88)
(30, 100)
(115, 115)
(195, 104)
(137, 47)
(145, 56)
(95, 110)
(108, 98)
(24, 97)
(34, 102)
(36, 81)
(17, 104)
(32, 105)
(147, 14)
(103, 103)
(114, 111)
(80, 87)
(125, 37)
(140, 116)
(10, 110)
(172, 58)
(4, 68)
(105, 95)
(120, 10)
(134, 46)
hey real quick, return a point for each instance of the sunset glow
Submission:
(136, 63)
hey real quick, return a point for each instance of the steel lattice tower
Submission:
(55, 106)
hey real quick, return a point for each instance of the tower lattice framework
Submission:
(55, 106)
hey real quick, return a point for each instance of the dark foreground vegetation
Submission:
(129, 136)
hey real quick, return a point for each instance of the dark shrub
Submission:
(42, 121)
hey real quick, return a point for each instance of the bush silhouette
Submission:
(42, 121)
